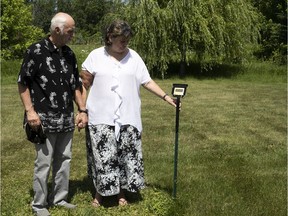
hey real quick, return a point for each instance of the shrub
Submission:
(17, 32)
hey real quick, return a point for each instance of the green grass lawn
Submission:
(232, 154)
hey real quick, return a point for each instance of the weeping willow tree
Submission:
(152, 40)
(213, 31)
(181, 31)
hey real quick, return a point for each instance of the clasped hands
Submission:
(34, 121)
(81, 120)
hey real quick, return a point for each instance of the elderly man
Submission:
(48, 83)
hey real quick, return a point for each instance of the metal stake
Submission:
(176, 146)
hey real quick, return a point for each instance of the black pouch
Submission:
(37, 137)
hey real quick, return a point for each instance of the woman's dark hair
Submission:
(115, 29)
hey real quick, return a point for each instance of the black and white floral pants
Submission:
(114, 164)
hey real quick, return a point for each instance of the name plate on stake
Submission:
(179, 90)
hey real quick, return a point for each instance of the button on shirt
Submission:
(52, 77)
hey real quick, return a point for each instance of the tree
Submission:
(64, 5)
(150, 23)
(43, 10)
(273, 30)
(17, 31)
(186, 30)
(89, 14)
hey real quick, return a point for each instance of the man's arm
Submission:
(82, 115)
(33, 118)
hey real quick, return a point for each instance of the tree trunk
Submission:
(182, 71)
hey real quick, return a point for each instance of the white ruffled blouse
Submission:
(114, 97)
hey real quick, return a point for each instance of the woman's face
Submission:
(119, 44)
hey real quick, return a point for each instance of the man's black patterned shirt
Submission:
(52, 77)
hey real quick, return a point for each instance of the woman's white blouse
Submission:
(114, 97)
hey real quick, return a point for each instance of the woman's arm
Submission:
(153, 87)
(87, 79)
(80, 99)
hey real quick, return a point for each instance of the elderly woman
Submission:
(114, 73)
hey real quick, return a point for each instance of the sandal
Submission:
(95, 203)
(122, 202)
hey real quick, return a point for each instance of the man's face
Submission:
(67, 34)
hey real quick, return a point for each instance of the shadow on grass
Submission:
(86, 185)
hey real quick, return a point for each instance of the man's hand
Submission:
(81, 120)
(33, 119)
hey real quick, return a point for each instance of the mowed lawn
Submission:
(232, 154)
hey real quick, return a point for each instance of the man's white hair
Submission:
(59, 20)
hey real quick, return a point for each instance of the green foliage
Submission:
(214, 30)
(172, 31)
(114, 12)
(255, 71)
(272, 46)
(89, 14)
(151, 25)
(43, 10)
(17, 31)
(178, 31)
(182, 31)
(273, 30)
(264, 72)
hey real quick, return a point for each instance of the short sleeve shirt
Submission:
(114, 97)
(52, 77)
